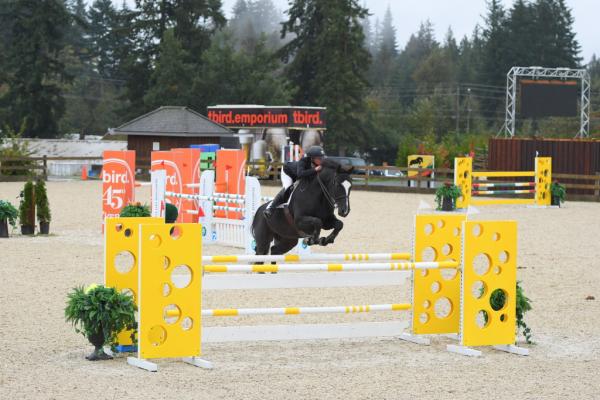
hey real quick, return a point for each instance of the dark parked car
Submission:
(358, 163)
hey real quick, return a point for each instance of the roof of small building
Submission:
(172, 121)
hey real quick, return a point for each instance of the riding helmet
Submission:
(315, 151)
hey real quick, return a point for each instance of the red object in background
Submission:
(188, 162)
(230, 179)
(118, 180)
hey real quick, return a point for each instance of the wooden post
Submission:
(45, 170)
(32, 208)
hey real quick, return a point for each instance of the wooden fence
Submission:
(376, 178)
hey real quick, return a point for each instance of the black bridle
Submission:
(332, 200)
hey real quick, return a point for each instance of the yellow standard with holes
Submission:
(121, 242)
(543, 180)
(463, 168)
(435, 292)
(489, 270)
(170, 279)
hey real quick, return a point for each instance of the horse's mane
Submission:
(330, 163)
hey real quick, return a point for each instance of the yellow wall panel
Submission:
(543, 180)
(463, 167)
(489, 264)
(170, 290)
(437, 237)
(121, 243)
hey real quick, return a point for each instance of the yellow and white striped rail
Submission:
(306, 257)
(501, 174)
(331, 267)
(232, 312)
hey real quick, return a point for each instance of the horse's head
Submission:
(337, 181)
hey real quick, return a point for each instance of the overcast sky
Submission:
(462, 15)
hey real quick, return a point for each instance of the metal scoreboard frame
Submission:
(516, 73)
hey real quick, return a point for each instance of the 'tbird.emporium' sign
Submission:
(268, 117)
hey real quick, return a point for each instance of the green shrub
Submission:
(15, 149)
(135, 210)
(27, 205)
(41, 202)
(100, 314)
(558, 190)
(497, 301)
(9, 213)
(448, 190)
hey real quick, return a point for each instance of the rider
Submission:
(306, 167)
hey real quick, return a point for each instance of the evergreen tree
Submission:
(554, 43)
(253, 19)
(108, 42)
(369, 35)
(386, 51)
(32, 64)
(193, 21)
(328, 62)
(230, 76)
(418, 49)
(521, 35)
(496, 61)
(170, 83)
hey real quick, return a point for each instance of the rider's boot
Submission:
(277, 200)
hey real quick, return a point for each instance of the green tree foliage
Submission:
(32, 69)
(171, 79)
(328, 62)
(228, 76)
(254, 21)
(386, 51)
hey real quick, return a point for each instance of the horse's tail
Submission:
(258, 214)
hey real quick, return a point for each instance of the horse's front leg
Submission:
(337, 226)
(311, 226)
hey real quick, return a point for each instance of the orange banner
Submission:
(118, 180)
(230, 179)
(188, 162)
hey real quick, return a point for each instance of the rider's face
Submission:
(317, 160)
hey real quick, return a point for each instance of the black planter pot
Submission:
(555, 201)
(27, 229)
(97, 339)
(447, 204)
(44, 228)
(3, 228)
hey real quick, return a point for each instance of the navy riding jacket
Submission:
(299, 169)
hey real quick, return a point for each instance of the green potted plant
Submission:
(100, 313)
(27, 209)
(558, 192)
(135, 210)
(445, 196)
(42, 207)
(8, 216)
(497, 301)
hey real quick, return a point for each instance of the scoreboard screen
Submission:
(543, 98)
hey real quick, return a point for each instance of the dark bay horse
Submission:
(311, 208)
